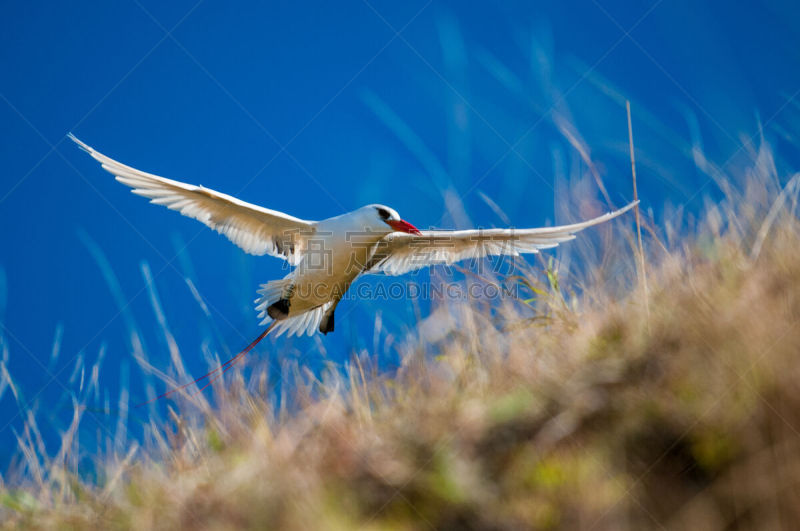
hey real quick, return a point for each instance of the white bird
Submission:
(329, 255)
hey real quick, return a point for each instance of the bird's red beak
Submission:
(402, 226)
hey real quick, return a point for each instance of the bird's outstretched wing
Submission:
(255, 229)
(399, 253)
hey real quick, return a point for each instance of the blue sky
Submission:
(350, 103)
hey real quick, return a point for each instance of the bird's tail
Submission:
(270, 293)
(221, 369)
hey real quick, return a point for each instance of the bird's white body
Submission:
(337, 249)
(329, 255)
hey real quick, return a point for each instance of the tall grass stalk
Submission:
(642, 267)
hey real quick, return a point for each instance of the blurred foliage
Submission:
(598, 416)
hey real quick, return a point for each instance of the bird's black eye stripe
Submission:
(383, 213)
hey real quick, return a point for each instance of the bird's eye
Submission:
(383, 213)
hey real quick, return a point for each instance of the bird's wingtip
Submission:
(81, 144)
(626, 207)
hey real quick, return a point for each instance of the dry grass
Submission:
(576, 410)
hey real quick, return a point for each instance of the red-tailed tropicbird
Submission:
(329, 255)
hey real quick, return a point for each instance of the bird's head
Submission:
(385, 219)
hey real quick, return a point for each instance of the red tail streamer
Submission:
(223, 368)
(214, 379)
